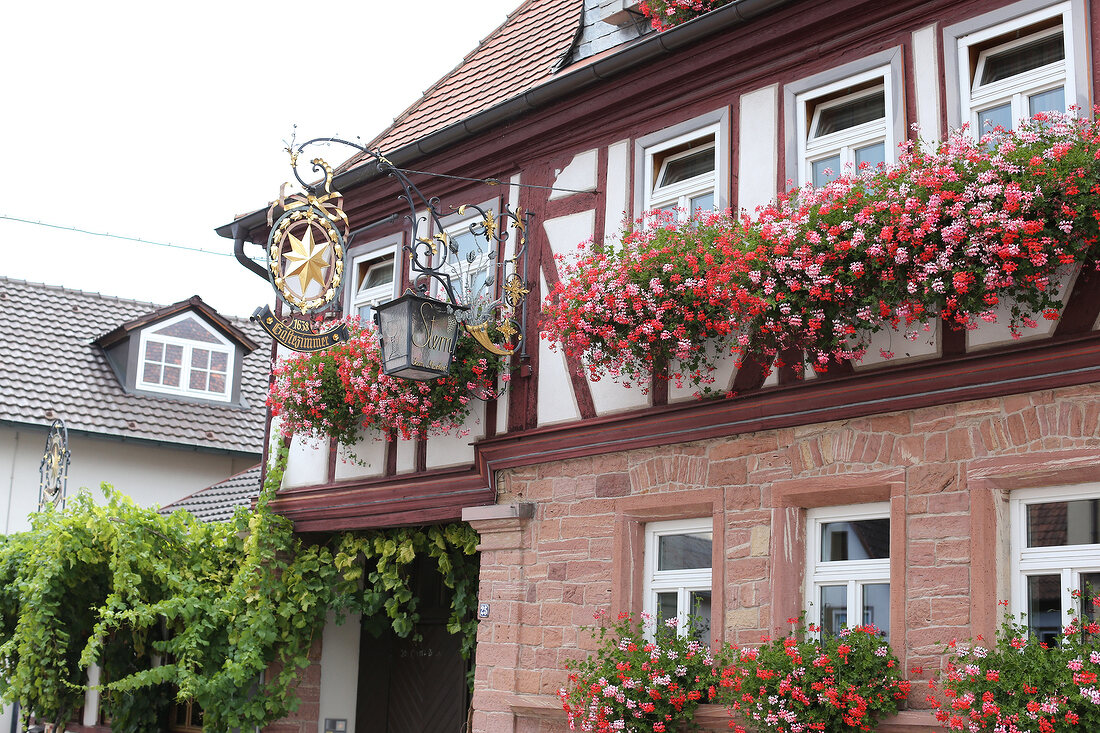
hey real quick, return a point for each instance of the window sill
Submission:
(716, 718)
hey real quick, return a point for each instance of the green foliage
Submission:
(799, 682)
(1019, 684)
(644, 676)
(221, 614)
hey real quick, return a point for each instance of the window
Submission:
(1016, 69)
(845, 124)
(677, 571)
(185, 356)
(186, 716)
(848, 577)
(469, 263)
(681, 174)
(1055, 551)
(374, 280)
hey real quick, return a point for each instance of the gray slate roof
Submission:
(50, 368)
(218, 502)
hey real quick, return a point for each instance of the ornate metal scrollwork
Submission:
(483, 276)
(53, 471)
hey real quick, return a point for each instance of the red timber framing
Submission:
(792, 42)
(440, 495)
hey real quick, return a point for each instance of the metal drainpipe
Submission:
(11, 485)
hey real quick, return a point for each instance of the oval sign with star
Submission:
(306, 257)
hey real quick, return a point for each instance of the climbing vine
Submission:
(223, 615)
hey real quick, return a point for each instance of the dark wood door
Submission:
(414, 686)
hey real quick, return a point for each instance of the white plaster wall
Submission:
(307, 462)
(149, 474)
(723, 376)
(926, 76)
(758, 147)
(406, 456)
(579, 175)
(339, 670)
(565, 232)
(364, 459)
(556, 401)
(988, 335)
(616, 190)
(608, 396)
(457, 450)
(925, 346)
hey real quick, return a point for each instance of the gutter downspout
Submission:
(648, 47)
(11, 484)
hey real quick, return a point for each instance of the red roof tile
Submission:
(522, 53)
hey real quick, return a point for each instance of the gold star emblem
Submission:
(307, 259)
(507, 330)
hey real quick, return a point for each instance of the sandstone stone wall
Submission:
(946, 471)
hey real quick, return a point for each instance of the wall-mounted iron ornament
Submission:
(480, 281)
(53, 471)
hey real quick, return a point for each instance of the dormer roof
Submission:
(53, 366)
(194, 303)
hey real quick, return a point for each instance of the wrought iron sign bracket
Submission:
(485, 292)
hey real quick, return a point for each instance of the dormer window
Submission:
(185, 356)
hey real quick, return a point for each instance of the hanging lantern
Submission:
(418, 336)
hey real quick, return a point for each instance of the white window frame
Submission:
(1069, 561)
(683, 582)
(380, 293)
(1017, 89)
(716, 124)
(798, 96)
(223, 346)
(681, 193)
(958, 39)
(851, 573)
(843, 143)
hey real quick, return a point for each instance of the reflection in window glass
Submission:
(1044, 607)
(704, 203)
(667, 607)
(834, 608)
(1059, 523)
(867, 539)
(684, 551)
(876, 606)
(995, 117)
(699, 611)
(872, 155)
(826, 170)
(1053, 100)
(1023, 58)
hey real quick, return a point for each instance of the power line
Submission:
(119, 236)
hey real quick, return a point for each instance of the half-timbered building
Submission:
(932, 461)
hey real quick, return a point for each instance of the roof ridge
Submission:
(78, 291)
(118, 298)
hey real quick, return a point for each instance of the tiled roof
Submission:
(218, 502)
(519, 55)
(50, 367)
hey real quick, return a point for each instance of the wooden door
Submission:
(414, 686)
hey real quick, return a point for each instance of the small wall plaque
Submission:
(483, 610)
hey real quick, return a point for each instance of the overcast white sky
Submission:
(162, 121)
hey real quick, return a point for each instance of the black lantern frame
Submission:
(417, 336)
